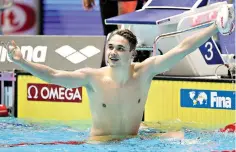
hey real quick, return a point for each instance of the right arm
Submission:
(68, 79)
(63, 78)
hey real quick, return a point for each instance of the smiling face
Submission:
(120, 48)
(118, 51)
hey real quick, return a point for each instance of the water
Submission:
(15, 131)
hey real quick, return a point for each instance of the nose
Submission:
(113, 51)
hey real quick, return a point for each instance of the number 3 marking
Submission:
(209, 50)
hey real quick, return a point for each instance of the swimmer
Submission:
(118, 92)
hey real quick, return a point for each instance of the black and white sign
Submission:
(59, 52)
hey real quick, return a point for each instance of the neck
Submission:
(121, 74)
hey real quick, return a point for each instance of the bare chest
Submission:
(111, 93)
(122, 105)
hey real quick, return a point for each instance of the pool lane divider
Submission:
(43, 143)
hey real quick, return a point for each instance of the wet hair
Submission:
(128, 35)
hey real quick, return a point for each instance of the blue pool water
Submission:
(15, 131)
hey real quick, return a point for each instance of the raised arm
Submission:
(162, 63)
(159, 64)
(63, 78)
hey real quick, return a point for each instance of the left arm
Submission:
(159, 64)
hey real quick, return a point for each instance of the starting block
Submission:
(161, 25)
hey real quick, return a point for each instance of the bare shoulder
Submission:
(91, 71)
(144, 66)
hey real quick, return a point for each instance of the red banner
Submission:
(21, 18)
(54, 93)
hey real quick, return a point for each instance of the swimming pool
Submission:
(59, 136)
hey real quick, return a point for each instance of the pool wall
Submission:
(169, 99)
(199, 102)
(55, 108)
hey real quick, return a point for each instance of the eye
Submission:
(120, 49)
(110, 47)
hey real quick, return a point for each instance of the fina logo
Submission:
(220, 102)
(215, 101)
(201, 98)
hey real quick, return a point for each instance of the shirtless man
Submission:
(118, 92)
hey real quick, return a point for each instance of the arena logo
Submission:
(33, 54)
(75, 56)
(54, 93)
(19, 18)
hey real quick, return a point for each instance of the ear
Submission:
(134, 54)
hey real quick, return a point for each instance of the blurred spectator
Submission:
(112, 8)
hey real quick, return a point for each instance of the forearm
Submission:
(194, 41)
(43, 72)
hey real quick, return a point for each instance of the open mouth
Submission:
(114, 59)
